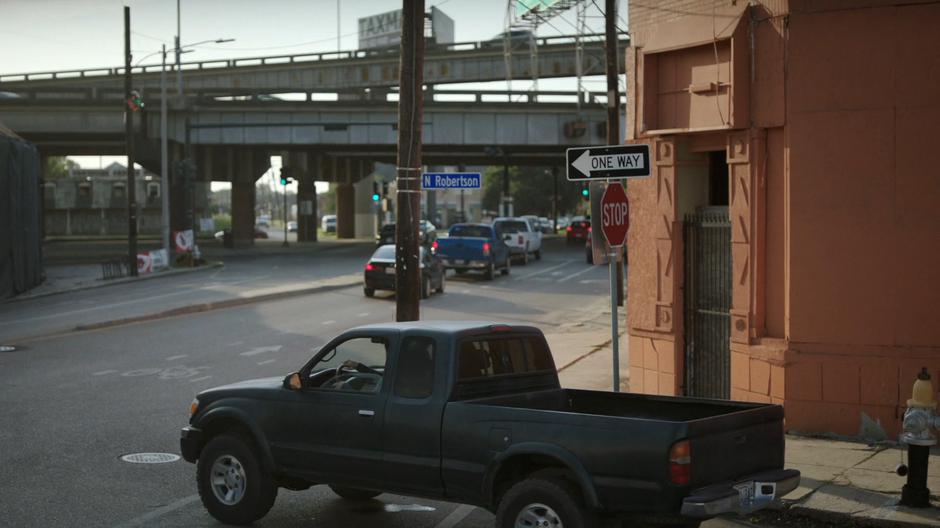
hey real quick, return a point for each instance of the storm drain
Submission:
(7, 348)
(150, 458)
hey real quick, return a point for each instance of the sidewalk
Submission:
(842, 482)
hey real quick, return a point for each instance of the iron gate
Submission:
(708, 303)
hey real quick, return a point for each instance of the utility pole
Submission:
(410, 117)
(613, 110)
(555, 199)
(285, 244)
(129, 141)
(179, 71)
(164, 175)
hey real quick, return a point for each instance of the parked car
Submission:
(380, 272)
(474, 247)
(547, 226)
(578, 230)
(426, 231)
(263, 221)
(291, 227)
(328, 223)
(473, 412)
(524, 240)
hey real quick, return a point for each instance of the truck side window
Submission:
(356, 365)
(415, 374)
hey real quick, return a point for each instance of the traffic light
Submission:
(375, 192)
(585, 192)
(134, 101)
(385, 189)
(285, 175)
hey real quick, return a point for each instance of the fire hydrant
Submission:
(919, 422)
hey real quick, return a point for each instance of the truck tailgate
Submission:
(729, 446)
(461, 248)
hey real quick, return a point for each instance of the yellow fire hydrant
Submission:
(919, 422)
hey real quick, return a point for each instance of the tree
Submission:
(532, 191)
(57, 167)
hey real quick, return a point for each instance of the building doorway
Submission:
(707, 288)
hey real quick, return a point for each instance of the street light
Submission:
(180, 50)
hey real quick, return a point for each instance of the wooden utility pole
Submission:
(613, 107)
(129, 141)
(410, 116)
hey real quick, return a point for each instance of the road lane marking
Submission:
(260, 350)
(533, 274)
(159, 512)
(103, 372)
(265, 362)
(236, 343)
(328, 322)
(573, 275)
(363, 314)
(194, 380)
(455, 516)
(174, 358)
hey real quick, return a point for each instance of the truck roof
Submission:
(450, 327)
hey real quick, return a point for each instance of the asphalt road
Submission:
(71, 405)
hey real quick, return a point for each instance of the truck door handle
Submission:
(365, 412)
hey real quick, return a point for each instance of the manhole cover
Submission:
(7, 348)
(150, 458)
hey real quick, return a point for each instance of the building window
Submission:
(84, 190)
(117, 191)
(153, 190)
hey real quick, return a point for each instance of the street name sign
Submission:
(451, 180)
(615, 214)
(608, 163)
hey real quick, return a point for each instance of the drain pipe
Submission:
(919, 421)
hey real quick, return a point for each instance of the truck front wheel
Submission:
(354, 494)
(233, 484)
(543, 502)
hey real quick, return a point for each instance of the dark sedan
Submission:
(578, 231)
(380, 272)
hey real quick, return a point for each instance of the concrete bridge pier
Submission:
(355, 212)
(246, 166)
(307, 166)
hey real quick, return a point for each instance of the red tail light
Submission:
(521, 240)
(590, 229)
(369, 267)
(680, 463)
(486, 248)
(434, 245)
(569, 229)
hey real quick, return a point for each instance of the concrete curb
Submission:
(216, 305)
(172, 272)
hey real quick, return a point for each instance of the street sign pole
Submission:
(615, 337)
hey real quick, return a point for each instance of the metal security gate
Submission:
(708, 303)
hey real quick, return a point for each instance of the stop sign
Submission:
(615, 214)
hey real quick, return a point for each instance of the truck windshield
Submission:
(485, 358)
(470, 231)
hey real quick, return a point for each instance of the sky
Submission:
(56, 35)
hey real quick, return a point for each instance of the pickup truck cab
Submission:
(473, 412)
(521, 236)
(474, 247)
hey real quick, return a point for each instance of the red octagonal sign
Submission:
(615, 214)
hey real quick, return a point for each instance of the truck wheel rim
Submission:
(538, 516)
(228, 480)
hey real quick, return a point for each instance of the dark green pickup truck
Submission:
(473, 412)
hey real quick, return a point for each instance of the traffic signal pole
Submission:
(129, 146)
(410, 116)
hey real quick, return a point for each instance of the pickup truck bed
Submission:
(613, 443)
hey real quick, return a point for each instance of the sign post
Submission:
(611, 163)
(615, 220)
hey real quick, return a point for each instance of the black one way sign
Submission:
(611, 162)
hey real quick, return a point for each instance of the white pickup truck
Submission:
(521, 237)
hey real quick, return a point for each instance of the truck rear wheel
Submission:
(549, 502)
(354, 494)
(233, 484)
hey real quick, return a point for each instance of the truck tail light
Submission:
(486, 248)
(570, 229)
(680, 463)
(521, 240)
(369, 267)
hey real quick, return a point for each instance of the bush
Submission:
(222, 221)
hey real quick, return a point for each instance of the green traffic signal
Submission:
(375, 197)
(585, 192)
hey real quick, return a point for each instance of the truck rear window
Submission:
(486, 358)
(470, 231)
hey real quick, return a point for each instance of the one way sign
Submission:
(611, 162)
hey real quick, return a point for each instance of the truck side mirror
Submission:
(292, 381)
